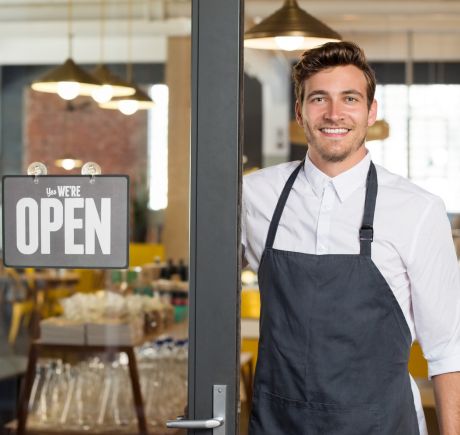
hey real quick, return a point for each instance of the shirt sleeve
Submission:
(434, 276)
(244, 239)
(247, 227)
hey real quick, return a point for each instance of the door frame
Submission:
(215, 203)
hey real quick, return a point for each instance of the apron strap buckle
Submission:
(366, 233)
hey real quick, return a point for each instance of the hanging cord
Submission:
(69, 27)
(102, 5)
(129, 67)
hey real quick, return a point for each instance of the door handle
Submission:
(195, 424)
(217, 423)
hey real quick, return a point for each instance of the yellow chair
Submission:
(250, 304)
(250, 310)
(20, 310)
(418, 367)
(143, 253)
(51, 305)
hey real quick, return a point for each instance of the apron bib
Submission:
(334, 344)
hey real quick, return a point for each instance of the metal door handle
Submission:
(217, 423)
(195, 424)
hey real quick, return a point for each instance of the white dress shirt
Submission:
(412, 247)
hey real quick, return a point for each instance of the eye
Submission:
(317, 99)
(350, 99)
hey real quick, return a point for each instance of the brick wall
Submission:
(54, 128)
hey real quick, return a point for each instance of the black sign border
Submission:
(89, 177)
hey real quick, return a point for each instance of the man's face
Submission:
(334, 113)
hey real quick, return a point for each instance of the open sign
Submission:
(65, 221)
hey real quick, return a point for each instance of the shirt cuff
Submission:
(445, 365)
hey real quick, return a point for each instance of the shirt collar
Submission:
(344, 184)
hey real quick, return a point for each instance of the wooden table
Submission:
(37, 348)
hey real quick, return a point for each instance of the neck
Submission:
(332, 169)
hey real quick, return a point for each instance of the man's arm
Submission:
(435, 289)
(447, 394)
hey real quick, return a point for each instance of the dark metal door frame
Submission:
(216, 144)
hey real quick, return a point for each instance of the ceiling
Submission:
(383, 27)
(440, 15)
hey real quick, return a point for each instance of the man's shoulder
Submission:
(403, 193)
(272, 175)
(262, 188)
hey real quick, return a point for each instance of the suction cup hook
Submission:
(37, 169)
(91, 168)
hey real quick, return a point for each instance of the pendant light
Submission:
(289, 28)
(67, 80)
(112, 86)
(68, 163)
(139, 100)
(132, 103)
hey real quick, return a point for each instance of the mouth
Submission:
(334, 132)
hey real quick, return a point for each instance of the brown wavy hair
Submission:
(330, 55)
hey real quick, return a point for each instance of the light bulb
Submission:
(68, 164)
(289, 43)
(102, 94)
(68, 90)
(128, 107)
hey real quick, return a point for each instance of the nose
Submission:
(333, 111)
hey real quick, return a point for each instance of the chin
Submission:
(336, 155)
(335, 158)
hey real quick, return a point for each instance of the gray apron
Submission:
(334, 344)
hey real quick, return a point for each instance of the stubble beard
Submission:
(340, 156)
(331, 156)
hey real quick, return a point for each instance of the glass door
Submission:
(214, 215)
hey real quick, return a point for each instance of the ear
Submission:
(298, 113)
(372, 114)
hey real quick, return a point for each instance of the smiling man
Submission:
(354, 264)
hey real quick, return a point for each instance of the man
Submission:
(354, 263)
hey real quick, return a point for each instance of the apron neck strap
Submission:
(366, 232)
(280, 206)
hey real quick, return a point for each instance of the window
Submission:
(158, 148)
(433, 137)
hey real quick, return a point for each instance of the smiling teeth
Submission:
(334, 130)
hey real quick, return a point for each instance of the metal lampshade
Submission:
(68, 72)
(289, 28)
(138, 101)
(120, 88)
